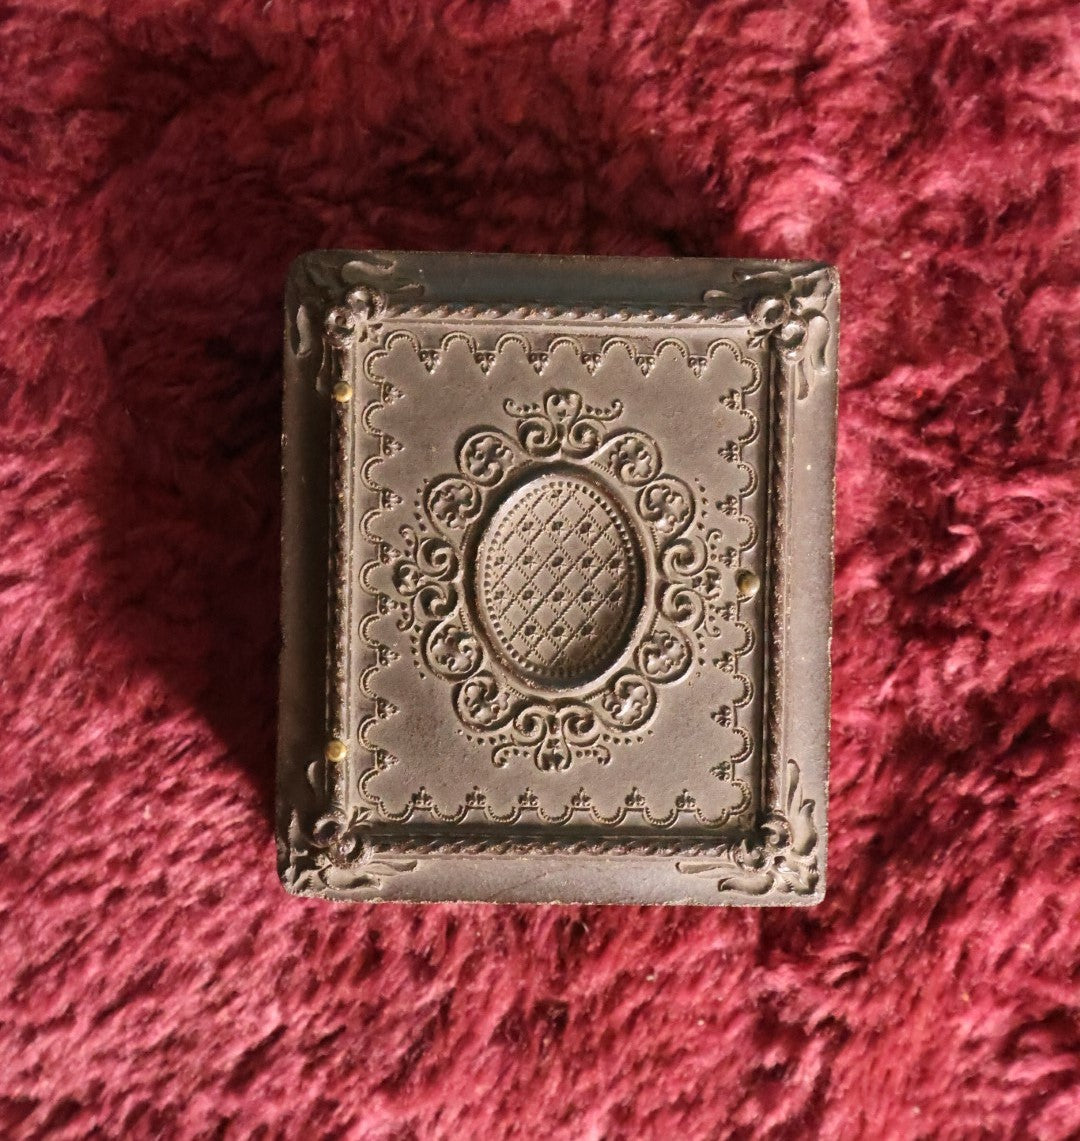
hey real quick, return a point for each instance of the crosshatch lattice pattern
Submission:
(559, 580)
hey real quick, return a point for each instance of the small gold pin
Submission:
(342, 392)
(336, 750)
(747, 584)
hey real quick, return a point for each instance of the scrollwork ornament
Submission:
(783, 859)
(563, 424)
(632, 457)
(628, 701)
(482, 704)
(664, 655)
(452, 503)
(553, 735)
(684, 558)
(683, 605)
(492, 701)
(486, 458)
(451, 651)
(423, 578)
(668, 505)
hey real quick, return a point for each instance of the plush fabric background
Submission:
(160, 164)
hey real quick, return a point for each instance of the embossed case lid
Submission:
(557, 563)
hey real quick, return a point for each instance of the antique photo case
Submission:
(557, 566)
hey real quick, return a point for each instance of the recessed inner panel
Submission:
(558, 580)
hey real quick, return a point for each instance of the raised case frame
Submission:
(679, 416)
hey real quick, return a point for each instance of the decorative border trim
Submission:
(338, 351)
(680, 558)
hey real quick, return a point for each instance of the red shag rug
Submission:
(160, 164)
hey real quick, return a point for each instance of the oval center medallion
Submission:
(559, 580)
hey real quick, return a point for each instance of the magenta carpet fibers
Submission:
(160, 164)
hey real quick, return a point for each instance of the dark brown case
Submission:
(557, 565)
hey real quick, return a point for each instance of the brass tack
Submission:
(747, 583)
(342, 392)
(336, 750)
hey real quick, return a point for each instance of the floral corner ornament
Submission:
(788, 311)
(784, 860)
(335, 854)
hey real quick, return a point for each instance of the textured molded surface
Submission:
(580, 521)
